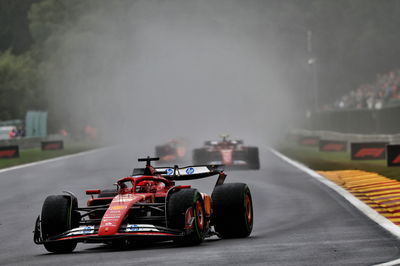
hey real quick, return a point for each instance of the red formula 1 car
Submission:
(148, 206)
(231, 153)
(173, 151)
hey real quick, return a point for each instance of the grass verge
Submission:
(327, 161)
(36, 154)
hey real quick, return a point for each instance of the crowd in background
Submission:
(384, 92)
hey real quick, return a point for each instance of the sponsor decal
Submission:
(111, 218)
(82, 230)
(368, 151)
(118, 207)
(52, 145)
(240, 162)
(88, 230)
(309, 141)
(9, 152)
(169, 171)
(332, 145)
(190, 170)
(132, 228)
(189, 218)
(393, 155)
(124, 199)
(141, 227)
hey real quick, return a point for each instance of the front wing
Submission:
(89, 233)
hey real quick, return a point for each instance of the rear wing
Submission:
(191, 172)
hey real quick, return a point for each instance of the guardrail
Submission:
(382, 121)
(331, 135)
(29, 143)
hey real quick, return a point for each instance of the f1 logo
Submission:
(370, 152)
(393, 155)
(396, 160)
(7, 153)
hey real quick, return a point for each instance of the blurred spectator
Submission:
(63, 132)
(13, 133)
(20, 132)
(383, 92)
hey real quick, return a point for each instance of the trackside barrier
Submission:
(309, 141)
(9, 152)
(379, 192)
(332, 135)
(52, 145)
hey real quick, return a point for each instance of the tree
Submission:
(18, 86)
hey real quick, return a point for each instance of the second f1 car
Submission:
(231, 153)
(148, 205)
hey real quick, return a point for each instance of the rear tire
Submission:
(178, 204)
(198, 156)
(58, 216)
(232, 210)
(253, 158)
(160, 151)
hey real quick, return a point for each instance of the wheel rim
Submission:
(199, 215)
(249, 210)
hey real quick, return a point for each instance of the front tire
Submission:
(232, 210)
(182, 205)
(58, 216)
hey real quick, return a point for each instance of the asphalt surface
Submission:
(298, 221)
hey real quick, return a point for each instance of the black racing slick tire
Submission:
(181, 206)
(253, 158)
(160, 151)
(232, 210)
(198, 156)
(58, 216)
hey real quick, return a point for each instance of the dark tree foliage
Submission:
(14, 29)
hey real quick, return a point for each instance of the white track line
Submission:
(50, 160)
(364, 208)
(371, 213)
(390, 263)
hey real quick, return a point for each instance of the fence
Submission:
(364, 121)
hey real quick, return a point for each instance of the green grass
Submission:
(36, 154)
(327, 161)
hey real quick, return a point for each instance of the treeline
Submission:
(31, 34)
(352, 40)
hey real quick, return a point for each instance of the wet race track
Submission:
(298, 221)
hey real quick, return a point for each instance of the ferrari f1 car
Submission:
(231, 153)
(173, 151)
(148, 206)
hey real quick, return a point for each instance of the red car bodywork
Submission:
(148, 206)
(135, 192)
